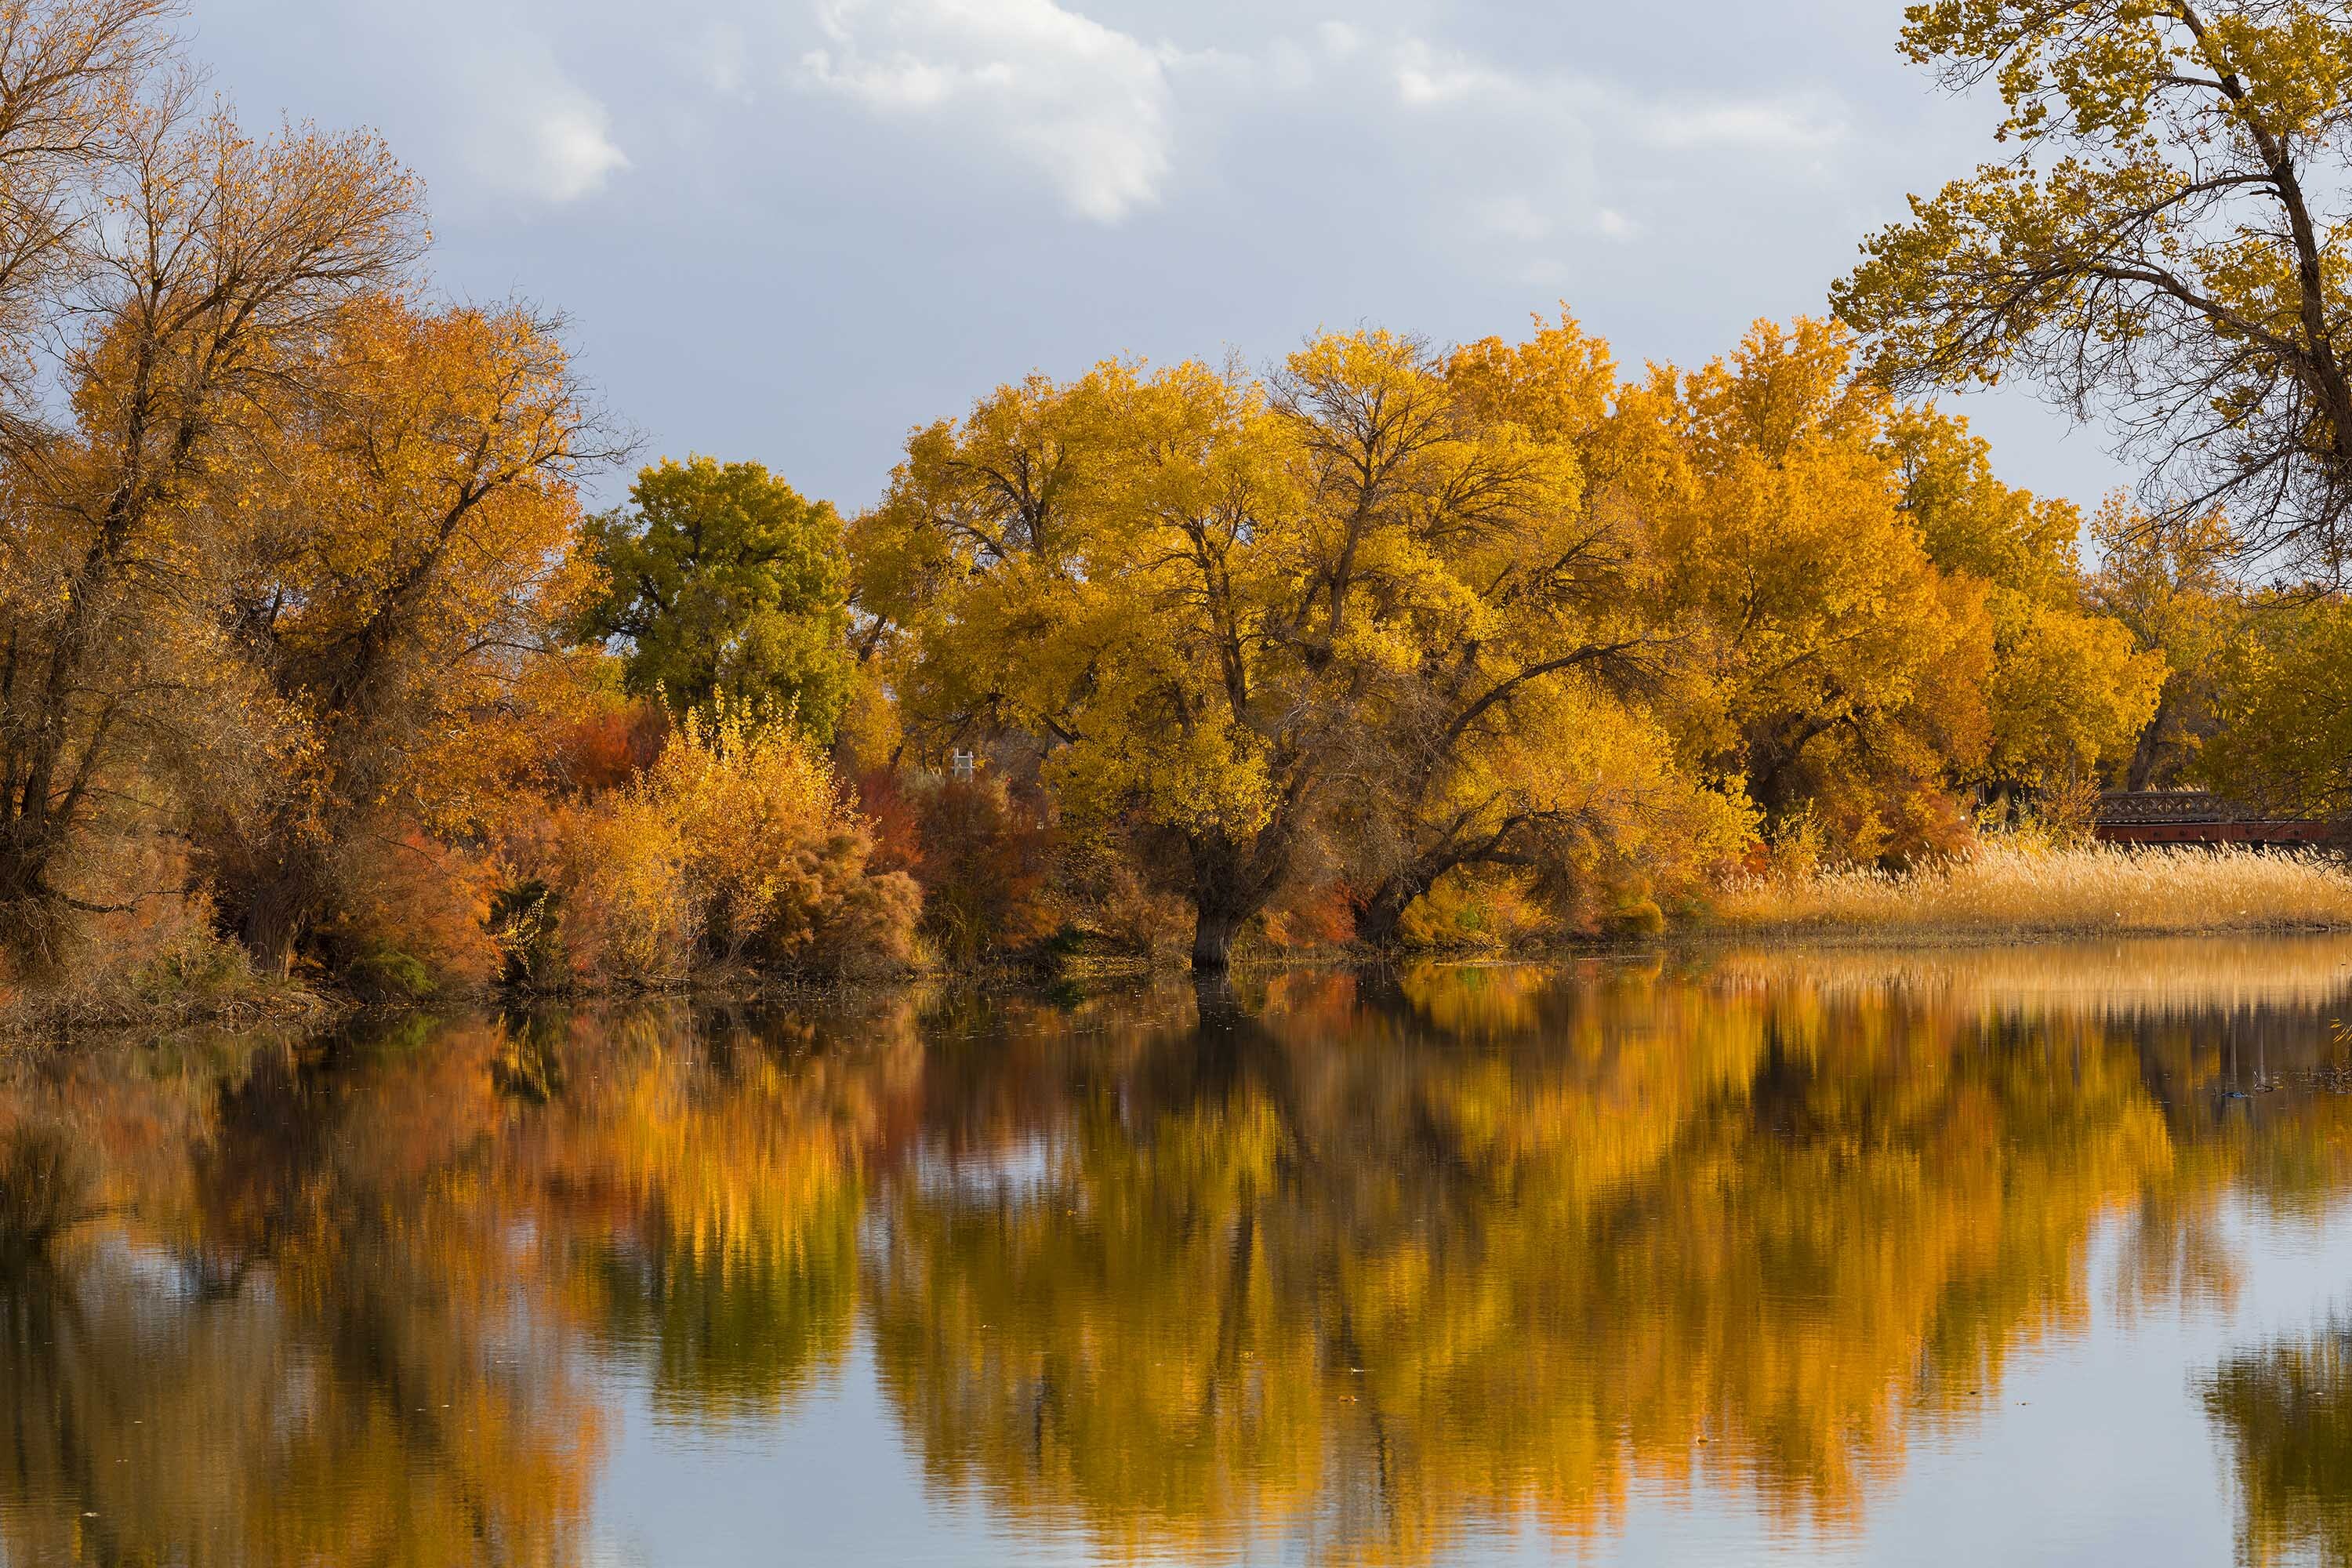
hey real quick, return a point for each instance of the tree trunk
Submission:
(1231, 882)
(1380, 917)
(1213, 929)
(269, 929)
(2149, 751)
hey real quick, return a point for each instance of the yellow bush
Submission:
(738, 845)
(1477, 911)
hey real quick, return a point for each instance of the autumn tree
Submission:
(718, 578)
(2282, 737)
(221, 261)
(2166, 581)
(70, 71)
(1847, 673)
(1232, 609)
(1521, 735)
(406, 519)
(2067, 692)
(2156, 244)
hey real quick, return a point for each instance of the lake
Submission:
(2018, 1256)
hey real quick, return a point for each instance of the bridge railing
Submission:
(2120, 808)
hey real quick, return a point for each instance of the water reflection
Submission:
(2286, 1412)
(1353, 1269)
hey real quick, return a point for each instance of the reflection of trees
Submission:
(1362, 1276)
(338, 1310)
(2287, 1410)
(1360, 1266)
(300, 1350)
(705, 1188)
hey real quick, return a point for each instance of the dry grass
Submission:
(2006, 890)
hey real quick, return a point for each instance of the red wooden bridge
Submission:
(2195, 816)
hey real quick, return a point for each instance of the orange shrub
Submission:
(737, 846)
(409, 915)
(607, 748)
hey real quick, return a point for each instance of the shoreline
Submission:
(32, 1024)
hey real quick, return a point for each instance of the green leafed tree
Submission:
(721, 578)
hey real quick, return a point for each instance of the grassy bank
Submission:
(35, 1013)
(2004, 892)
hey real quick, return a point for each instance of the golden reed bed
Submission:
(2098, 891)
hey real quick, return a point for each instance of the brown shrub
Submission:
(984, 862)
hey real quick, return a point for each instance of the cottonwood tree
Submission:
(206, 267)
(2068, 690)
(2166, 582)
(2161, 244)
(1238, 612)
(1846, 674)
(1519, 736)
(721, 578)
(408, 516)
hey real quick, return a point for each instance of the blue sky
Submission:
(789, 230)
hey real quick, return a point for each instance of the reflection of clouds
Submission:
(373, 1411)
(1019, 1172)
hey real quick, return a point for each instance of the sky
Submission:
(793, 229)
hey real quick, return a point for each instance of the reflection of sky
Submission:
(1015, 1173)
(836, 1484)
(2089, 1448)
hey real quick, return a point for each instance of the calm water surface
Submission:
(2027, 1256)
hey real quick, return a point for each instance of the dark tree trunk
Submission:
(1213, 929)
(268, 897)
(1380, 917)
(1231, 881)
(2149, 752)
(270, 927)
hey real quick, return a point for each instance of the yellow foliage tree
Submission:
(1848, 672)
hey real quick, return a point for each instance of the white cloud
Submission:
(715, 55)
(1085, 104)
(1772, 125)
(1340, 40)
(1424, 76)
(1532, 154)
(554, 144)
(505, 112)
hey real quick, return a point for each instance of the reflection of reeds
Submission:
(2107, 979)
(47, 1179)
(2098, 890)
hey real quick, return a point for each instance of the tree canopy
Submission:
(2157, 244)
(720, 578)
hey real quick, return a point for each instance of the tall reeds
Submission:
(2012, 890)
